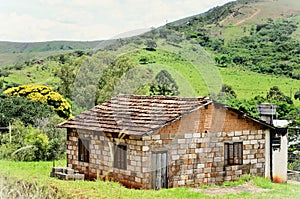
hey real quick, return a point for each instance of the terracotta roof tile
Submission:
(134, 115)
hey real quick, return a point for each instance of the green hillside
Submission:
(251, 45)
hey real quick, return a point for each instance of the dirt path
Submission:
(247, 187)
(293, 182)
(232, 189)
(248, 18)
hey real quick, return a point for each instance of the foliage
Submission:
(297, 95)
(29, 143)
(26, 143)
(269, 49)
(87, 79)
(285, 109)
(66, 74)
(111, 76)
(56, 136)
(151, 45)
(242, 180)
(43, 94)
(226, 93)
(23, 109)
(164, 85)
(276, 94)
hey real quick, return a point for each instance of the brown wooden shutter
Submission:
(226, 148)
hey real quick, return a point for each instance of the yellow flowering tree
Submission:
(43, 94)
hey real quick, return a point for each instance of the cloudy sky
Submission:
(44, 20)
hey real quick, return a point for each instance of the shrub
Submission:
(23, 109)
(27, 143)
(43, 94)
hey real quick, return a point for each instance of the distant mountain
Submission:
(34, 47)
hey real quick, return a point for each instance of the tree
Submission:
(297, 95)
(111, 76)
(151, 45)
(66, 74)
(226, 93)
(23, 109)
(275, 94)
(86, 83)
(43, 94)
(164, 85)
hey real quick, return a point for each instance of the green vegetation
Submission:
(37, 174)
(28, 143)
(25, 110)
(254, 48)
(164, 85)
(43, 94)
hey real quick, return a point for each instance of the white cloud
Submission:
(39, 20)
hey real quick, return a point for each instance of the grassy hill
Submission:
(201, 52)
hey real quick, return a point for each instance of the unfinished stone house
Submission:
(153, 142)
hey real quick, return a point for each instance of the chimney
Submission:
(267, 112)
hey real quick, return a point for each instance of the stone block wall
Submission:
(198, 158)
(195, 145)
(100, 163)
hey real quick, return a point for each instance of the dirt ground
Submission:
(247, 187)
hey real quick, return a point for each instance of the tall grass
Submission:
(31, 180)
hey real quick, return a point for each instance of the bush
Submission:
(23, 109)
(43, 94)
(27, 143)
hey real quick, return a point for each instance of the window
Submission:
(233, 153)
(120, 157)
(83, 150)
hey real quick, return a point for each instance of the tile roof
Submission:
(134, 115)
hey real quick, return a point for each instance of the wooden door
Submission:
(159, 168)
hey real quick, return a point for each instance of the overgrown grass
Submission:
(34, 177)
(240, 181)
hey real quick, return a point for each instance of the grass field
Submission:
(37, 174)
(249, 84)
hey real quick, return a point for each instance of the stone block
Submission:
(197, 135)
(253, 142)
(238, 172)
(238, 133)
(181, 151)
(181, 182)
(146, 138)
(227, 178)
(217, 159)
(145, 148)
(199, 150)
(156, 137)
(175, 157)
(231, 134)
(207, 170)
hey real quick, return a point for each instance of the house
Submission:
(153, 142)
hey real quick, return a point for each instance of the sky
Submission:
(87, 20)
